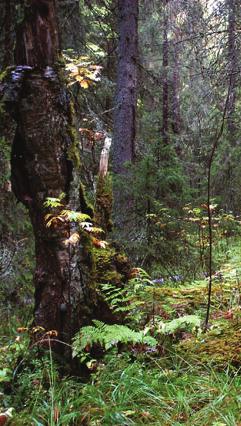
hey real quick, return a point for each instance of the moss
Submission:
(60, 63)
(73, 151)
(103, 263)
(4, 74)
(111, 266)
(104, 199)
(84, 204)
(220, 346)
(88, 269)
(122, 265)
(192, 298)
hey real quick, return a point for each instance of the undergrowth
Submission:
(123, 391)
(157, 368)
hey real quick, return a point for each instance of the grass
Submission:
(191, 381)
(126, 392)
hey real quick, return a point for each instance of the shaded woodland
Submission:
(120, 212)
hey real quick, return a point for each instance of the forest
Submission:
(120, 212)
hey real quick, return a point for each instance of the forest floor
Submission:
(190, 378)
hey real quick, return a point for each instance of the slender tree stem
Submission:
(217, 138)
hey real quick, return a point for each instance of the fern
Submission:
(131, 298)
(73, 216)
(52, 202)
(184, 323)
(122, 300)
(66, 215)
(108, 336)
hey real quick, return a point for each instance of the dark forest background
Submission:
(120, 207)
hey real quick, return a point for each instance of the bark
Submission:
(41, 167)
(110, 70)
(126, 97)
(176, 119)
(104, 158)
(176, 110)
(7, 21)
(104, 190)
(228, 174)
(232, 65)
(165, 84)
(124, 132)
(9, 32)
(37, 36)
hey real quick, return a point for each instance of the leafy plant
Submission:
(63, 215)
(81, 70)
(185, 323)
(136, 300)
(107, 336)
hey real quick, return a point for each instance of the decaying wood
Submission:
(104, 157)
(41, 167)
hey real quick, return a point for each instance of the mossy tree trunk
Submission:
(42, 167)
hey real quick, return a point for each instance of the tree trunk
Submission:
(8, 32)
(232, 66)
(7, 18)
(126, 98)
(165, 84)
(176, 111)
(7, 22)
(42, 167)
(176, 119)
(124, 132)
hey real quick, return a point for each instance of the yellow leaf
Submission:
(73, 239)
(22, 329)
(84, 84)
(52, 333)
(37, 329)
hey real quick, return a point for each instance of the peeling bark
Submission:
(104, 158)
(37, 36)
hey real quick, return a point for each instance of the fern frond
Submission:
(108, 336)
(73, 216)
(53, 202)
(184, 323)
